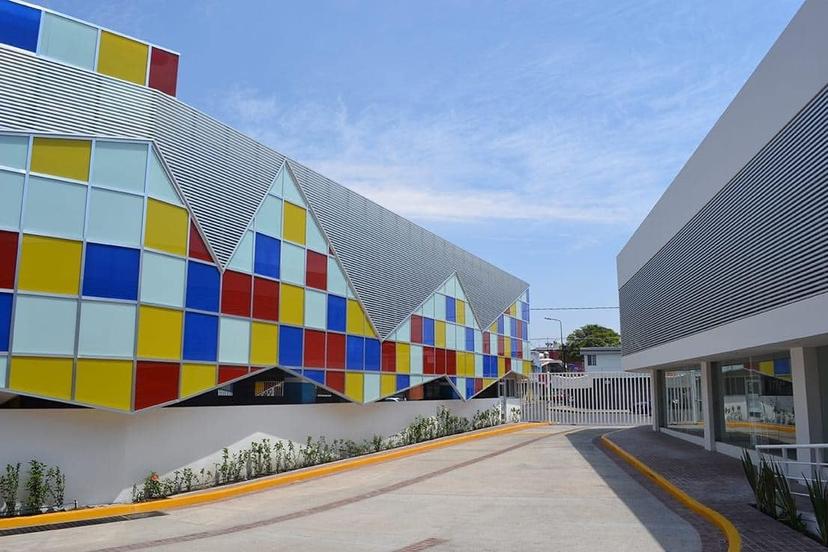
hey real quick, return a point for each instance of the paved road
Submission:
(536, 489)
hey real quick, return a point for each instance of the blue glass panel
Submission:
(355, 353)
(469, 387)
(203, 286)
(500, 325)
(428, 331)
(5, 321)
(316, 375)
(515, 348)
(268, 253)
(200, 336)
(513, 327)
(336, 313)
(110, 271)
(290, 346)
(451, 316)
(524, 308)
(469, 339)
(403, 382)
(19, 25)
(525, 332)
(782, 367)
(372, 355)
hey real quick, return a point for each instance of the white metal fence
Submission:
(598, 398)
(799, 463)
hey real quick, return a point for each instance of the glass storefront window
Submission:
(754, 398)
(683, 401)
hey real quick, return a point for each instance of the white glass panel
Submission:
(315, 240)
(428, 307)
(276, 187)
(120, 165)
(460, 338)
(416, 355)
(13, 151)
(234, 340)
(372, 387)
(162, 280)
(44, 325)
(107, 329)
(478, 341)
(115, 218)
(315, 309)
(336, 280)
(404, 331)
(269, 217)
(451, 287)
(54, 207)
(459, 291)
(440, 307)
(451, 340)
(68, 41)
(4, 364)
(470, 321)
(11, 198)
(158, 183)
(493, 343)
(478, 366)
(242, 260)
(293, 264)
(291, 191)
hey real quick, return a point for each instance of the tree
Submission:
(591, 335)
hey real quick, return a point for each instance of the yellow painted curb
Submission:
(734, 539)
(264, 483)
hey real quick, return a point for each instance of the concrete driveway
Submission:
(536, 489)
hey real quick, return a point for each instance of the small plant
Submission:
(56, 484)
(188, 478)
(36, 487)
(9, 485)
(766, 486)
(818, 493)
(152, 488)
(788, 513)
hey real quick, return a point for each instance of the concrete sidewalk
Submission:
(717, 481)
(536, 489)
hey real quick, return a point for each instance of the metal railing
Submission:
(598, 398)
(799, 463)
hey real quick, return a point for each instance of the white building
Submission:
(602, 359)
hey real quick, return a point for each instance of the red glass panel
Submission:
(335, 380)
(314, 349)
(428, 360)
(508, 365)
(500, 345)
(198, 249)
(416, 329)
(441, 361)
(389, 356)
(8, 258)
(236, 293)
(335, 351)
(163, 71)
(155, 383)
(451, 363)
(228, 373)
(478, 385)
(316, 273)
(265, 299)
(487, 344)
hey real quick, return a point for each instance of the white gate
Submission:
(598, 398)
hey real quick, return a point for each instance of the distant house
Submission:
(602, 359)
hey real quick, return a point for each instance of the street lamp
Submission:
(563, 348)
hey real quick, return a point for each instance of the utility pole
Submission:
(563, 347)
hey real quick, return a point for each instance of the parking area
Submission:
(543, 488)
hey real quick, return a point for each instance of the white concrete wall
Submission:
(105, 453)
(606, 362)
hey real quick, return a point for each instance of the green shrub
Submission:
(818, 493)
(9, 485)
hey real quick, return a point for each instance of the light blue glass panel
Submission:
(460, 386)
(234, 340)
(120, 165)
(315, 309)
(478, 366)
(428, 307)
(44, 325)
(11, 198)
(478, 341)
(242, 260)
(54, 207)
(416, 357)
(459, 337)
(269, 217)
(107, 329)
(451, 336)
(372, 387)
(315, 240)
(439, 306)
(114, 218)
(162, 280)
(293, 264)
(4, 365)
(291, 191)
(493, 343)
(336, 280)
(470, 321)
(450, 287)
(68, 41)
(13, 151)
(458, 290)
(276, 187)
(158, 183)
(404, 332)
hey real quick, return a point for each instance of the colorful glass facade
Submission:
(112, 295)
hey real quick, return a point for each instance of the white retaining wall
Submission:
(105, 453)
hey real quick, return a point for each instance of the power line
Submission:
(572, 308)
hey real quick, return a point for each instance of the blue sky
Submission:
(534, 134)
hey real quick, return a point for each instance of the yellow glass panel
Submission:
(388, 385)
(501, 366)
(50, 265)
(469, 365)
(493, 327)
(353, 386)
(294, 223)
(264, 343)
(167, 227)
(368, 330)
(159, 333)
(766, 367)
(106, 383)
(45, 377)
(507, 346)
(62, 157)
(292, 305)
(487, 382)
(196, 378)
(440, 334)
(403, 364)
(512, 310)
(123, 58)
(527, 367)
(460, 311)
(356, 319)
